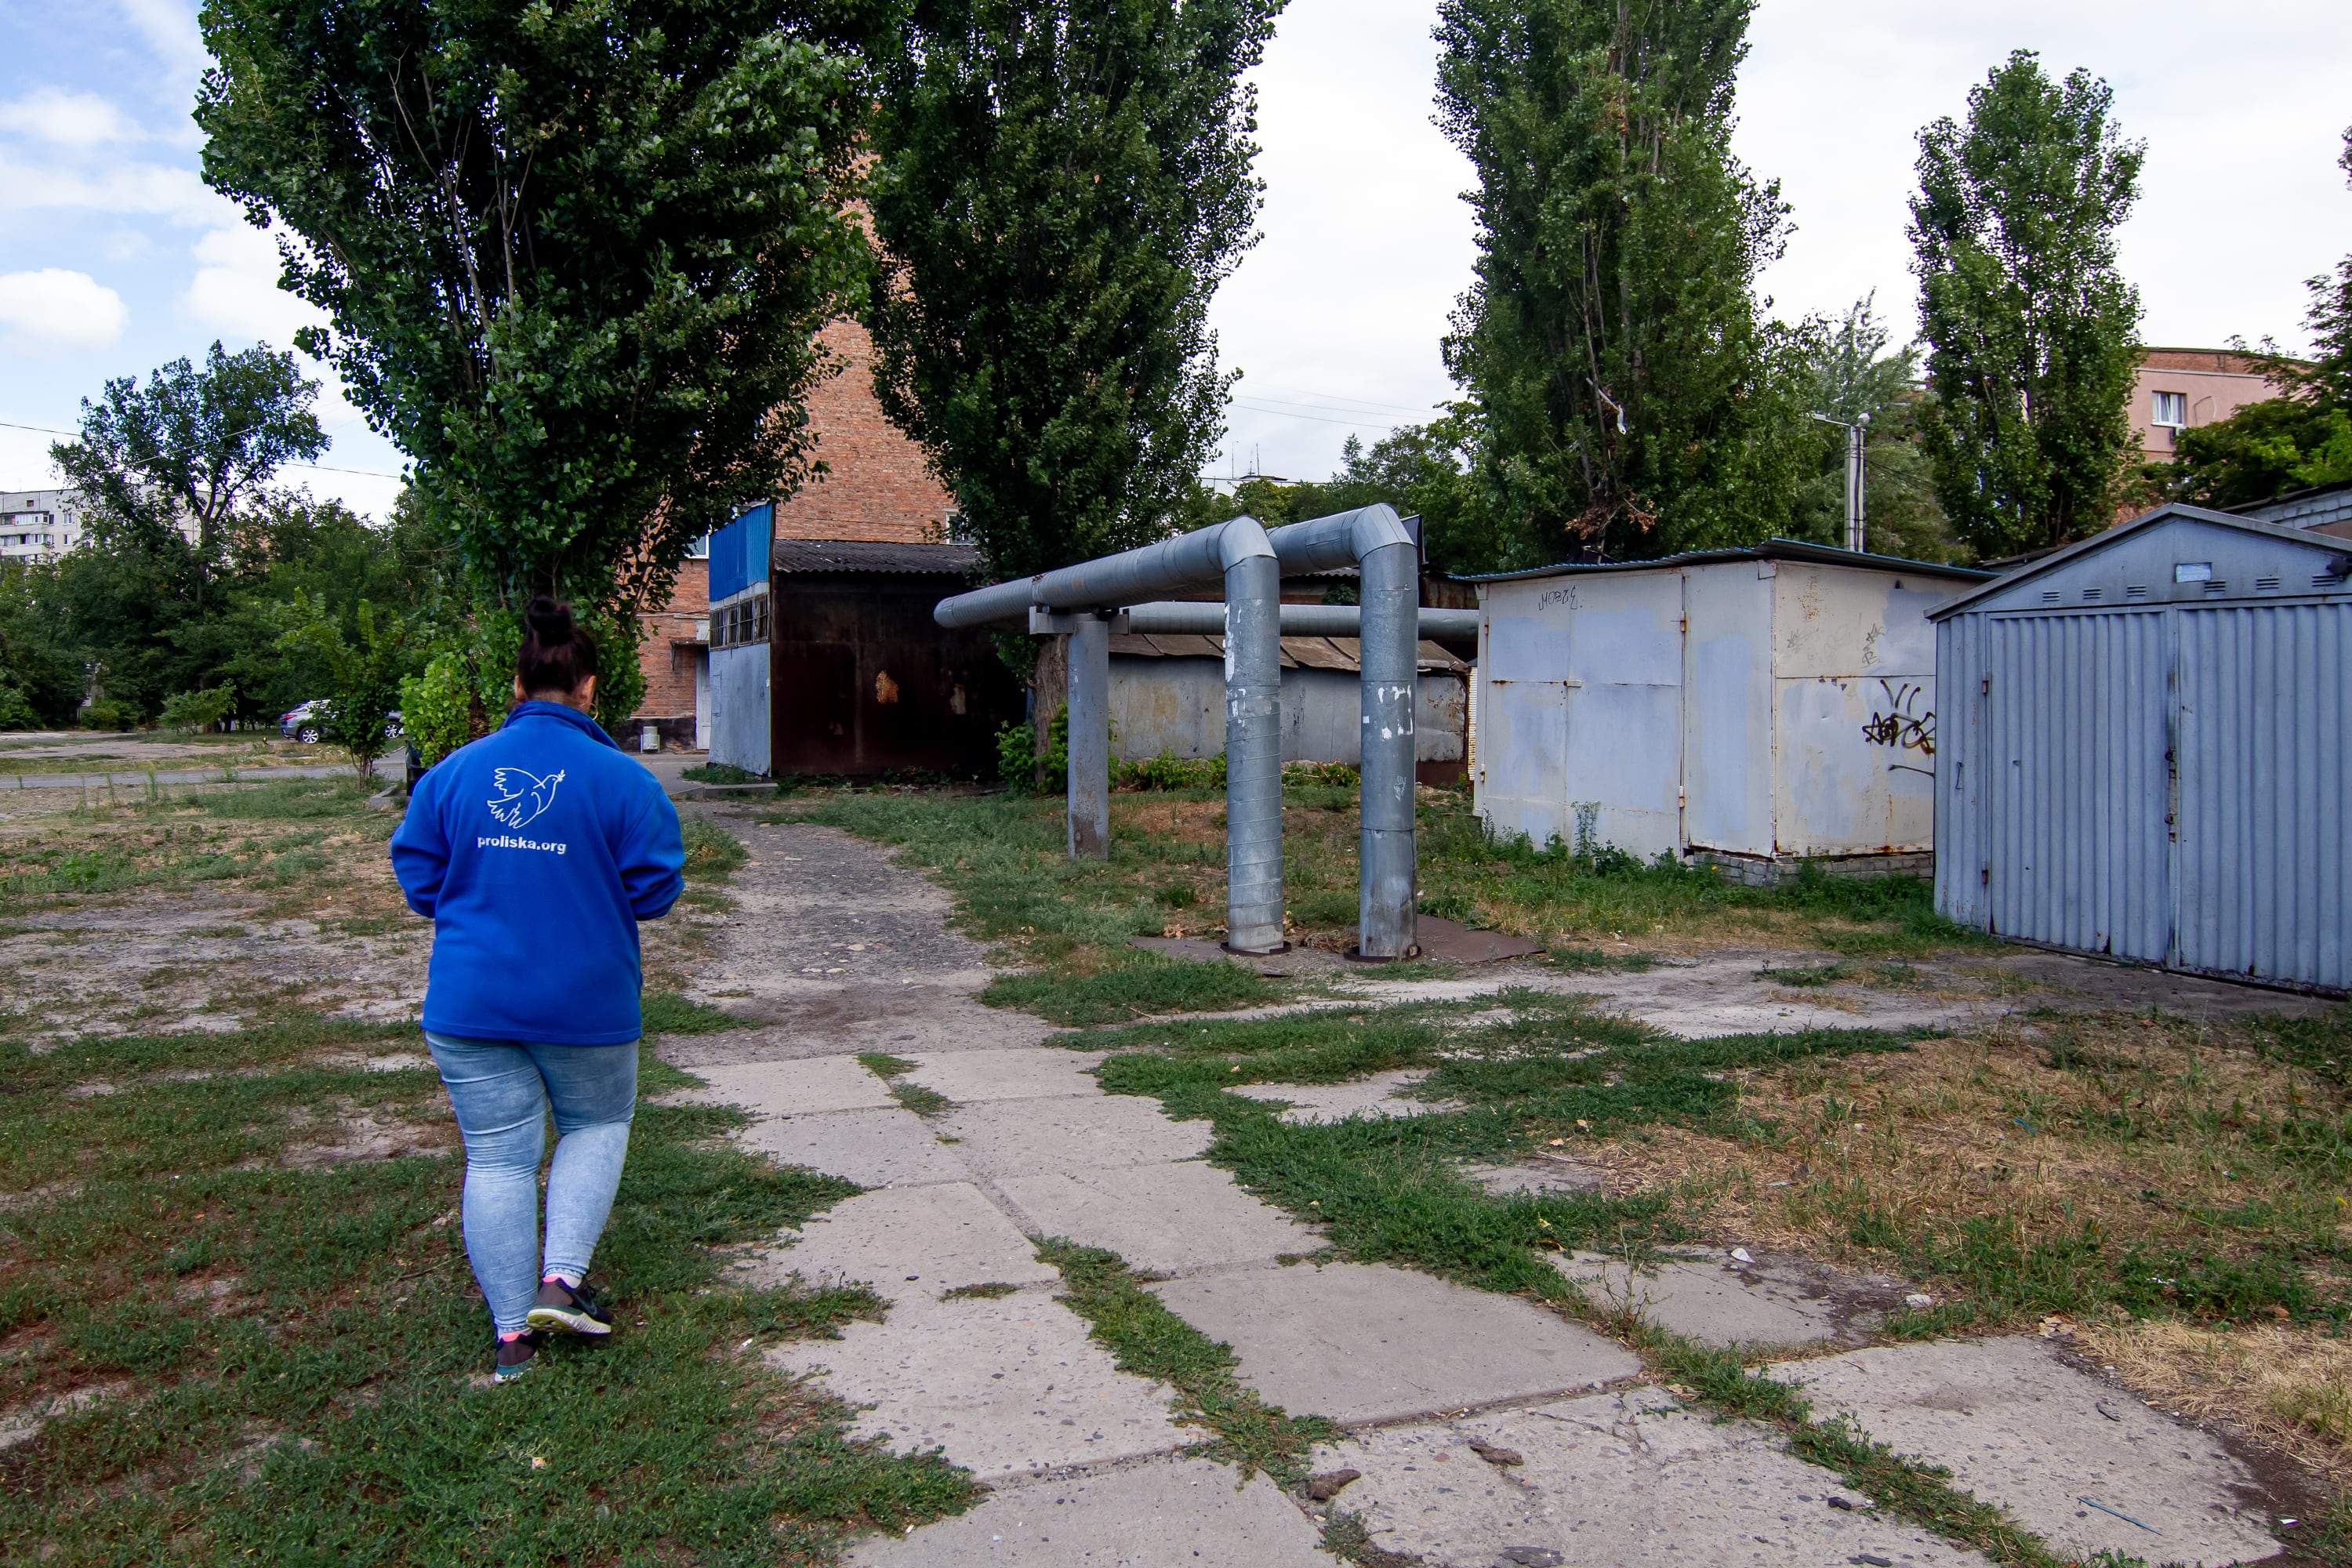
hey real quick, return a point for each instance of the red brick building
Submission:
(876, 490)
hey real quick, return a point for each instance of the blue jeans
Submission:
(502, 1091)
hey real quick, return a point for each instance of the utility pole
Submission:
(1855, 474)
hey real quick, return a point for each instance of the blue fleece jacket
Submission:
(535, 852)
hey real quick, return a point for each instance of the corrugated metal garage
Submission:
(741, 664)
(1754, 708)
(1168, 694)
(2146, 750)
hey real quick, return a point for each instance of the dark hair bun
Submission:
(550, 619)
(556, 655)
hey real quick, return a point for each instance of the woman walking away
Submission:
(535, 852)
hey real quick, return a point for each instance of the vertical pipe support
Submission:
(1375, 539)
(1254, 907)
(1386, 894)
(1089, 800)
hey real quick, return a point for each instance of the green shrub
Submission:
(1016, 757)
(109, 714)
(192, 711)
(436, 708)
(1016, 754)
(16, 712)
(1169, 770)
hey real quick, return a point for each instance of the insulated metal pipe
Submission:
(1187, 560)
(1089, 802)
(1376, 542)
(1237, 553)
(1171, 618)
(1253, 755)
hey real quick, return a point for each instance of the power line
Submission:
(1334, 398)
(312, 468)
(1318, 419)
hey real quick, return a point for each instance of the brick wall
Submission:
(666, 656)
(877, 488)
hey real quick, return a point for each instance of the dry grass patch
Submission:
(2289, 1388)
(2136, 1132)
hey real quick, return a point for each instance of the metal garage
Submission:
(2145, 750)
(1762, 709)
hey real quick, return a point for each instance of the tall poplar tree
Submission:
(2032, 330)
(573, 256)
(1058, 188)
(1635, 400)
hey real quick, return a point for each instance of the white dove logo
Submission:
(520, 796)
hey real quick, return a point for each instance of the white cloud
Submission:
(234, 291)
(25, 462)
(169, 26)
(1366, 248)
(119, 186)
(68, 119)
(56, 312)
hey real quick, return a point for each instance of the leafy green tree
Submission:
(573, 257)
(1635, 400)
(1425, 470)
(2032, 330)
(41, 676)
(365, 670)
(167, 465)
(1058, 188)
(2301, 438)
(1855, 375)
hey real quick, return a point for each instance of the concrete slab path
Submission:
(1609, 1479)
(1085, 1464)
(2022, 1428)
(1721, 1298)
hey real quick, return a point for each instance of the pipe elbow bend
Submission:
(1241, 539)
(1376, 528)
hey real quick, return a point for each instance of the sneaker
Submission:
(570, 1309)
(514, 1358)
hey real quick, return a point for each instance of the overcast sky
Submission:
(114, 258)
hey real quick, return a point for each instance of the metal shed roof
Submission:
(1771, 549)
(2317, 508)
(2059, 560)
(1342, 654)
(798, 557)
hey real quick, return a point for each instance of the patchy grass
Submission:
(1147, 1339)
(1535, 1071)
(2289, 1387)
(1128, 984)
(721, 774)
(257, 1356)
(913, 1096)
(296, 840)
(2176, 1189)
(712, 853)
(2054, 1164)
(1004, 858)
(668, 1012)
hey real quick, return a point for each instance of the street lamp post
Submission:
(1854, 475)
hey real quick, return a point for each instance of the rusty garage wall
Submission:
(1753, 706)
(866, 682)
(1168, 694)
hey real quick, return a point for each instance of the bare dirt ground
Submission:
(193, 920)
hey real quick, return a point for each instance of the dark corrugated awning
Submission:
(808, 557)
